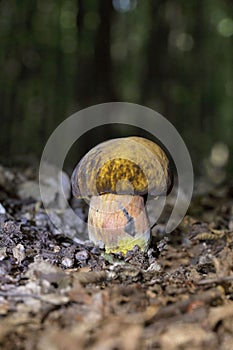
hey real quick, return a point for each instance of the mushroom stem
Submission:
(119, 221)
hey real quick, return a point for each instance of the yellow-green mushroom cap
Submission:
(112, 165)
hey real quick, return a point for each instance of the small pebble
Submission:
(41, 219)
(82, 255)
(2, 209)
(56, 249)
(95, 250)
(2, 253)
(154, 266)
(19, 253)
(67, 262)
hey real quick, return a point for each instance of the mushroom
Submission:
(117, 176)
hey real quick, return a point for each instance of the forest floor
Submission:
(58, 294)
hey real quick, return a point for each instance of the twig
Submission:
(19, 295)
(218, 280)
(42, 298)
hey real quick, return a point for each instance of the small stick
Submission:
(215, 280)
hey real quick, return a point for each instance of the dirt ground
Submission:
(58, 294)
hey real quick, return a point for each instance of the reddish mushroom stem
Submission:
(119, 221)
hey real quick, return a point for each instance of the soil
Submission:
(57, 293)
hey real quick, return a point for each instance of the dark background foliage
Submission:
(174, 56)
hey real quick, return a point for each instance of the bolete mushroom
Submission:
(116, 176)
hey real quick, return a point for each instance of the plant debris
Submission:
(62, 293)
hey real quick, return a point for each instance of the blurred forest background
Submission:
(174, 56)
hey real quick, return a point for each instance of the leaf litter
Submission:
(57, 292)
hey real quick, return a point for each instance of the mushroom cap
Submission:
(129, 165)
